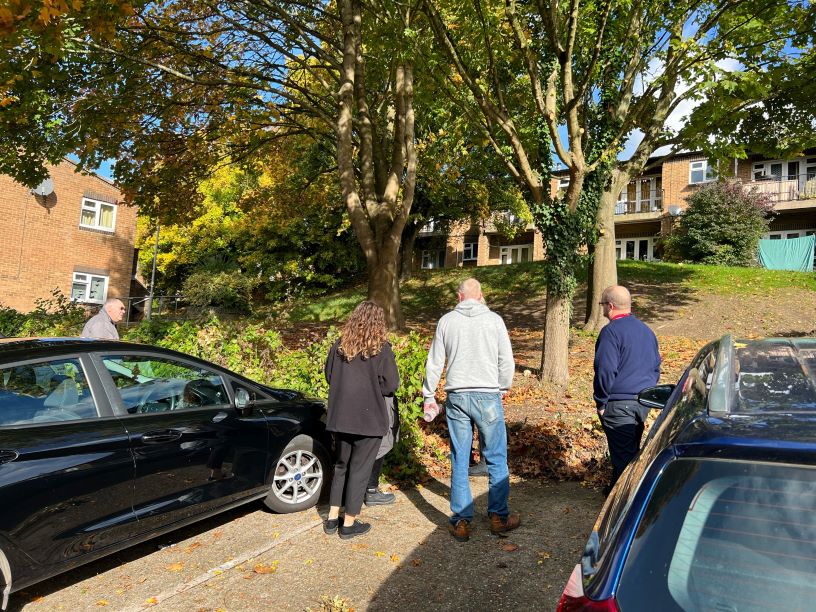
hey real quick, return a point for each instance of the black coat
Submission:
(356, 391)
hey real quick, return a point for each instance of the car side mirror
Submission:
(244, 403)
(655, 397)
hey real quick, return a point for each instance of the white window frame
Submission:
(510, 249)
(709, 172)
(786, 234)
(470, 251)
(95, 206)
(620, 248)
(431, 258)
(86, 278)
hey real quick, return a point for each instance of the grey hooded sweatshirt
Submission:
(474, 340)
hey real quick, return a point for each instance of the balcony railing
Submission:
(644, 206)
(787, 188)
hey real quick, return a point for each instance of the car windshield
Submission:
(725, 535)
(760, 376)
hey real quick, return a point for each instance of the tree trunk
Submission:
(407, 251)
(555, 349)
(383, 289)
(604, 268)
(378, 209)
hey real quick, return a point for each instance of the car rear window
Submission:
(775, 376)
(730, 536)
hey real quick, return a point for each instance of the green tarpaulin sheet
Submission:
(790, 254)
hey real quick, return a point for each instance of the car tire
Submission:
(298, 476)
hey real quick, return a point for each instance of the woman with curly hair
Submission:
(361, 372)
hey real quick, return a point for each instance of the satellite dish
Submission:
(675, 210)
(46, 188)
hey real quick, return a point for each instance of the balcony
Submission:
(787, 191)
(643, 209)
(431, 228)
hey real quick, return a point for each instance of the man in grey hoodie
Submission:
(474, 341)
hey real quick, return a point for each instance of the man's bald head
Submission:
(470, 289)
(115, 309)
(619, 296)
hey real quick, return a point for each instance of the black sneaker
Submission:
(355, 529)
(330, 526)
(375, 497)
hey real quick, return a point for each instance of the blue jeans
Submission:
(463, 409)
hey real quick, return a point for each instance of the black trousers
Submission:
(623, 422)
(374, 479)
(352, 470)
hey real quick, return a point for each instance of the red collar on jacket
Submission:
(620, 316)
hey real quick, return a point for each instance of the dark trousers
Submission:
(623, 425)
(374, 479)
(352, 469)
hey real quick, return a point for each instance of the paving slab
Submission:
(251, 559)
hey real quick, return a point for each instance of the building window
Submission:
(471, 251)
(89, 288)
(701, 172)
(97, 215)
(516, 254)
(635, 248)
(433, 259)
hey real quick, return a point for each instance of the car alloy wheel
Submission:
(298, 476)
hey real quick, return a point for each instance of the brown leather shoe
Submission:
(460, 531)
(500, 525)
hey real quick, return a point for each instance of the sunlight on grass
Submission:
(721, 280)
(430, 291)
(327, 308)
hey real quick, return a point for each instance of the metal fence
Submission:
(168, 306)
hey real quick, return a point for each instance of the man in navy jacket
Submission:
(626, 362)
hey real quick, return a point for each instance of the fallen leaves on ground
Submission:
(554, 432)
(260, 568)
(175, 567)
(509, 547)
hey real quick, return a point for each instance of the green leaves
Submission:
(721, 226)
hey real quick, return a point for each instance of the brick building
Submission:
(645, 211)
(77, 239)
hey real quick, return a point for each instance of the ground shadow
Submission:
(526, 570)
(18, 600)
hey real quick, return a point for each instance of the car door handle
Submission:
(7, 456)
(161, 436)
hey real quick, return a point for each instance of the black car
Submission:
(718, 511)
(104, 444)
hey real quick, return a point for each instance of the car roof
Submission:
(768, 376)
(761, 402)
(20, 349)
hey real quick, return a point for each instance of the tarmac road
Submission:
(250, 559)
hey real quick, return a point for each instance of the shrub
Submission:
(259, 354)
(54, 316)
(721, 226)
(226, 290)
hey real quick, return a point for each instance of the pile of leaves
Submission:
(554, 433)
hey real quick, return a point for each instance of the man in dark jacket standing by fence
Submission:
(626, 362)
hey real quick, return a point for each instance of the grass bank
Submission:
(430, 291)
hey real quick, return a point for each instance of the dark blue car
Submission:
(718, 511)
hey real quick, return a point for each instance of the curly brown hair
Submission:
(364, 332)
